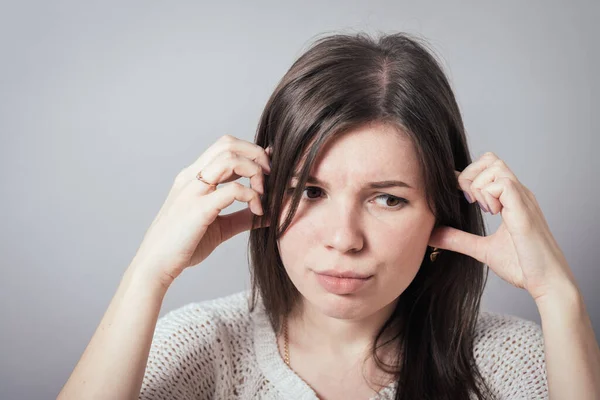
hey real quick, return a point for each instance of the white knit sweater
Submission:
(217, 349)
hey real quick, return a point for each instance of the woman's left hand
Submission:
(522, 251)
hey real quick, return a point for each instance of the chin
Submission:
(348, 306)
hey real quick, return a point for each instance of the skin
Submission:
(343, 224)
(188, 228)
(525, 254)
(344, 228)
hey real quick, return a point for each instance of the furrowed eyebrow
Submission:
(371, 185)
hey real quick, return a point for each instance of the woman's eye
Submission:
(310, 189)
(396, 201)
(393, 202)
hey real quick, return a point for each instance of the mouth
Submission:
(349, 283)
(344, 274)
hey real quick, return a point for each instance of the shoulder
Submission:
(509, 352)
(197, 324)
(226, 309)
(191, 342)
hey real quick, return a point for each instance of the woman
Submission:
(370, 286)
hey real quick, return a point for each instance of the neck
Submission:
(312, 332)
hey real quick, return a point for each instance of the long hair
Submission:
(343, 81)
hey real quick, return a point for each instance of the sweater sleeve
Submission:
(529, 357)
(180, 363)
(512, 350)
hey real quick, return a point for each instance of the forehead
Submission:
(371, 152)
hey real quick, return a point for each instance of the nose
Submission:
(342, 228)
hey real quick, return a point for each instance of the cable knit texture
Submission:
(218, 349)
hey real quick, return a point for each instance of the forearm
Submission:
(572, 353)
(113, 364)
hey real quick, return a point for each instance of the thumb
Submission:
(238, 222)
(453, 239)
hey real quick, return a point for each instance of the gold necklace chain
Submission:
(286, 350)
(286, 343)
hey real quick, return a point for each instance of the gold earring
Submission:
(434, 254)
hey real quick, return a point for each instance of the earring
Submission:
(434, 254)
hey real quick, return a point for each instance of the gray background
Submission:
(102, 104)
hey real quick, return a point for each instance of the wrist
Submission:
(562, 298)
(140, 277)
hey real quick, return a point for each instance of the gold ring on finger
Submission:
(199, 177)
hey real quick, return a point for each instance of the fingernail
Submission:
(482, 207)
(467, 197)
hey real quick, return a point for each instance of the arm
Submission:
(571, 351)
(113, 364)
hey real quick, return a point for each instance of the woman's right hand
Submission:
(188, 226)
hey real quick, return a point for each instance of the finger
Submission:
(512, 199)
(466, 194)
(453, 239)
(471, 195)
(213, 203)
(465, 179)
(240, 221)
(493, 205)
(490, 175)
(457, 173)
(230, 166)
(269, 152)
(485, 177)
(247, 149)
(498, 169)
(480, 198)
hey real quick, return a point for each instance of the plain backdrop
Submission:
(102, 103)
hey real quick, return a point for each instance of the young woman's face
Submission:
(344, 224)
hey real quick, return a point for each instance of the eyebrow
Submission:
(371, 185)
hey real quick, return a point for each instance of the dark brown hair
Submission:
(343, 81)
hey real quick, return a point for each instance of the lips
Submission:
(344, 274)
(342, 285)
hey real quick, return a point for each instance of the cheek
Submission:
(401, 246)
(399, 252)
(296, 242)
(404, 231)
